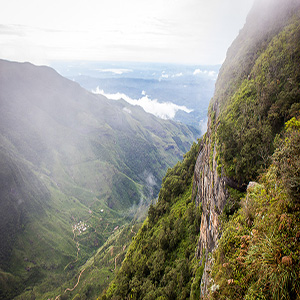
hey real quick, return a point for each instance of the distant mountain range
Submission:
(68, 156)
(150, 85)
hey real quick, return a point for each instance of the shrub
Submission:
(286, 159)
(258, 253)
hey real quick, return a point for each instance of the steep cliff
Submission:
(257, 91)
(209, 190)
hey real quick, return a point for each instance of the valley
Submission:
(122, 197)
(68, 157)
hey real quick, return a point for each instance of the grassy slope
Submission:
(258, 254)
(264, 93)
(98, 270)
(66, 155)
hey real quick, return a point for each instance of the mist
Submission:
(163, 110)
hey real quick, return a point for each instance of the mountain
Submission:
(175, 91)
(74, 166)
(245, 183)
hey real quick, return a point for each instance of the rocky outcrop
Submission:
(210, 191)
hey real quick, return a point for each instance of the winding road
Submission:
(70, 290)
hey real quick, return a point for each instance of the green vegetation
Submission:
(258, 256)
(161, 262)
(97, 271)
(286, 159)
(257, 93)
(68, 157)
(261, 104)
(75, 169)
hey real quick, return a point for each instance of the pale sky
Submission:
(177, 31)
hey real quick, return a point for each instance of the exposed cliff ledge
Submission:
(210, 192)
(257, 91)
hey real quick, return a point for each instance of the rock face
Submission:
(210, 188)
(210, 191)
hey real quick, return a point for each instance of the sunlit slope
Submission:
(68, 156)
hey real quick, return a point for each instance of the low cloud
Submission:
(203, 126)
(163, 110)
(12, 30)
(127, 110)
(115, 71)
(150, 179)
(205, 72)
(178, 75)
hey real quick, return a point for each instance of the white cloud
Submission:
(177, 75)
(115, 71)
(150, 179)
(203, 126)
(163, 110)
(198, 71)
(205, 72)
(164, 75)
(143, 93)
(127, 110)
(212, 73)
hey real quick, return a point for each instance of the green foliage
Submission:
(195, 287)
(212, 115)
(244, 138)
(258, 253)
(9, 285)
(68, 156)
(232, 203)
(257, 92)
(286, 159)
(124, 192)
(259, 106)
(161, 263)
(179, 177)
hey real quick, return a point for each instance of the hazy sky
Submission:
(181, 31)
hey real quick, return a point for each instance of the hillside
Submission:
(248, 246)
(161, 259)
(69, 157)
(258, 254)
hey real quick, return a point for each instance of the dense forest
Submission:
(267, 98)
